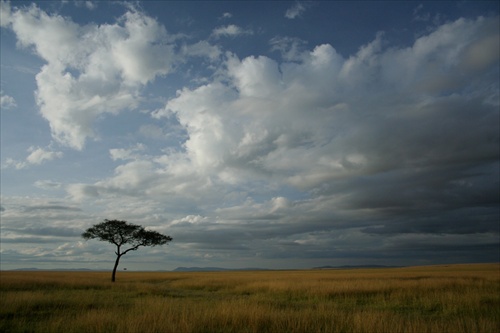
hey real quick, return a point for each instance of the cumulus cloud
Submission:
(37, 156)
(326, 119)
(7, 102)
(96, 69)
(335, 126)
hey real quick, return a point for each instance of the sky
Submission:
(256, 134)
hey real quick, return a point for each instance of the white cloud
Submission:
(255, 77)
(90, 5)
(48, 184)
(226, 15)
(127, 154)
(315, 121)
(79, 192)
(291, 49)
(95, 69)
(295, 11)
(9, 162)
(37, 156)
(230, 30)
(7, 102)
(201, 49)
(132, 176)
(191, 219)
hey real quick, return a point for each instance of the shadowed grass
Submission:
(457, 298)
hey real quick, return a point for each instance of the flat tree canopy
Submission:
(123, 233)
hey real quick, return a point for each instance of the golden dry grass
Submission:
(456, 298)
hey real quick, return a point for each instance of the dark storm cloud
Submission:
(460, 221)
(409, 190)
(443, 250)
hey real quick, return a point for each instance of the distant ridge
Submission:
(215, 269)
(202, 269)
(355, 266)
(51, 269)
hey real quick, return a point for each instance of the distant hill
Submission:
(52, 269)
(355, 266)
(215, 269)
(198, 269)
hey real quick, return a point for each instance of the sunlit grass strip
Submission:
(459, 298)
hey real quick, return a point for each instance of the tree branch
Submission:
(131, 249)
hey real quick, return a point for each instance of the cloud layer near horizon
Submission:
(297, 157)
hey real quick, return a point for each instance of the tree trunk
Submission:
(114, 268)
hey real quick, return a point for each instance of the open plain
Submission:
(452, 298)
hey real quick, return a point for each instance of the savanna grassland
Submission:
(455, 298)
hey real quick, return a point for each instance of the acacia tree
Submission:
(121, 233)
